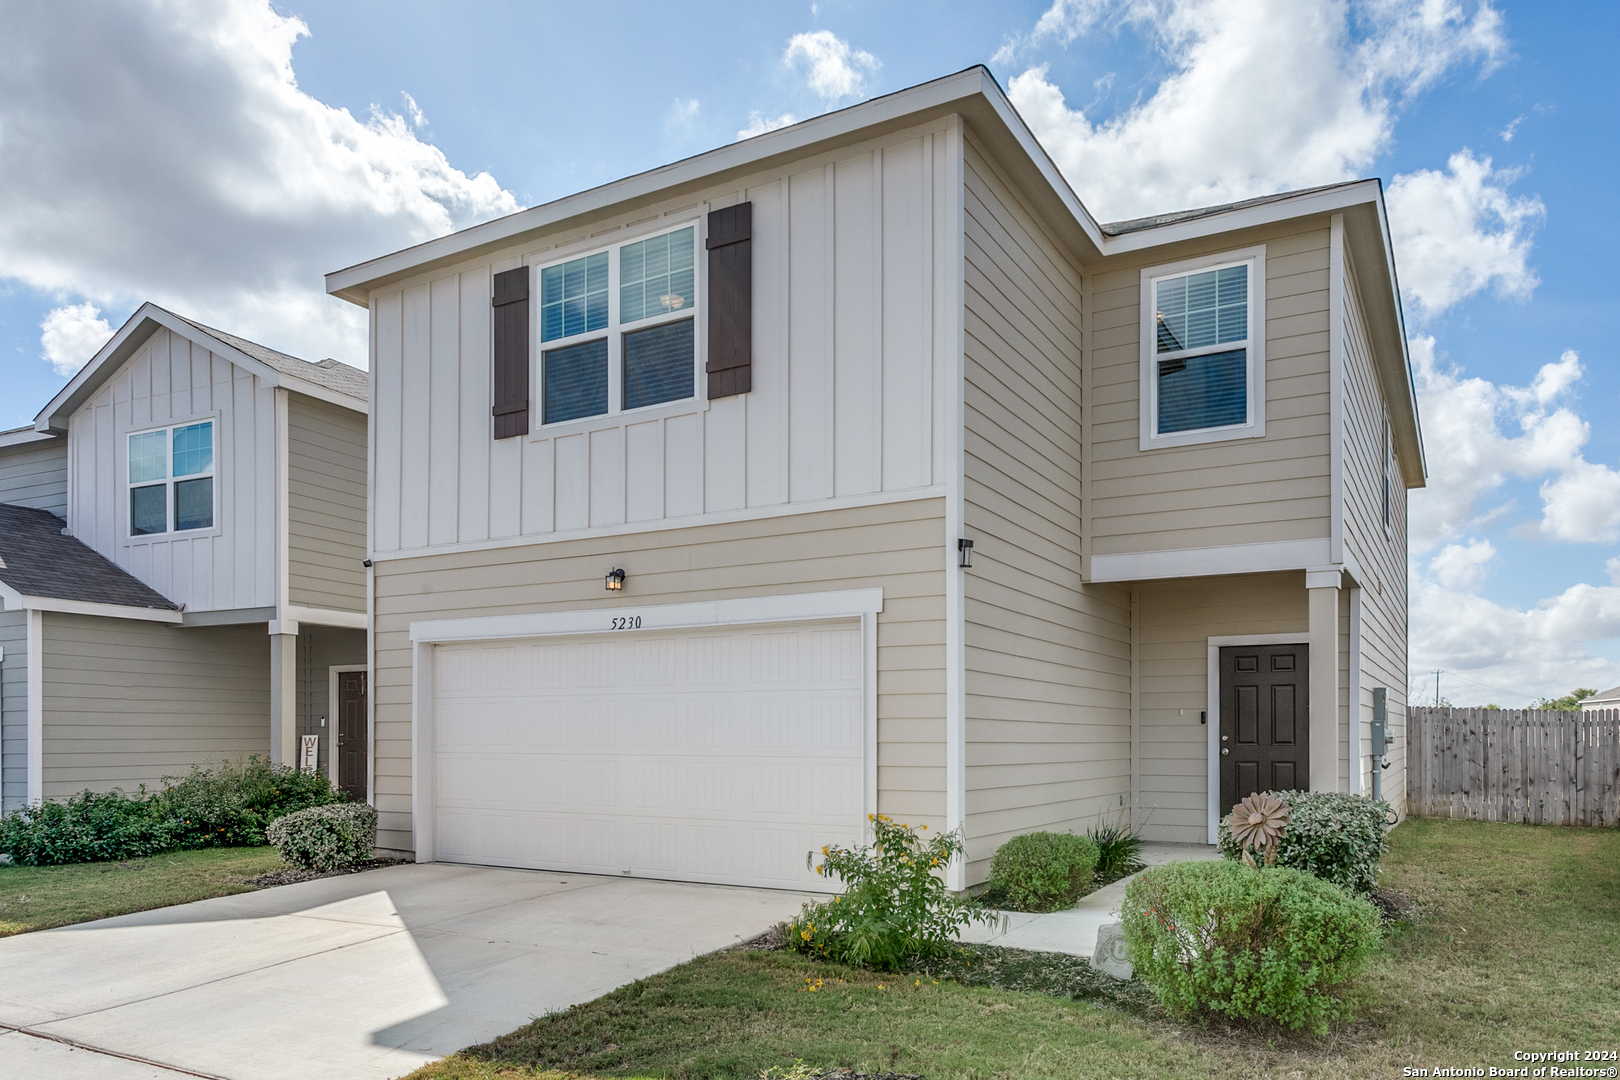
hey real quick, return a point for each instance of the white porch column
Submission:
(283, 698)
(1323, 589)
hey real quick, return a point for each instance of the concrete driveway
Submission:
(368, 975)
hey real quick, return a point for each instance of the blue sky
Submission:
(218, 156)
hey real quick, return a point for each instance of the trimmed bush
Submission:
(1273, 944)
(1041, 871)
(326, 837)
(1335, 836)
(89, 827)
(230, 805)
(894, 906)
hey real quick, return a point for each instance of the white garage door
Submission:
(722, 754)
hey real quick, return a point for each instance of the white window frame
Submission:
(170, 532)
(615, 330)
(1255, 427)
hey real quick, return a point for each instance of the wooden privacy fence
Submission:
(1530, 766)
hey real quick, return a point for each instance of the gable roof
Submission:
(36, 559)
(328, 380)
(1154, 221)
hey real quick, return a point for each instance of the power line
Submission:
(1488, 686)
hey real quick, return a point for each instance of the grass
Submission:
(39, 897)
(1516, 949)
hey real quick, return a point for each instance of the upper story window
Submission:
(1203, 350)
(171, 479)
(617, 328)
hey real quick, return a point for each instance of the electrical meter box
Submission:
(1380, 722)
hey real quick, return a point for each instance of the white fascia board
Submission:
(345, 620)
(23, 436)
(14, 600)
(1209, 561)
(323, 393)
(1247, 217)
(969, 88)
(792, 607)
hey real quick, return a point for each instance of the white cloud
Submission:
(71, 335)
(1217, 129)
(681, 114)
(1479, 434)
(164, 151)
(1463, 566)
(1458, 231)
(836, 71)
(759, 125)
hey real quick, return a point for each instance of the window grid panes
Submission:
(574, 297)
(1199, 310)
(656, 276)
(171, 468)
(1198, 385)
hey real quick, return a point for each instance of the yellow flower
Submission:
(917, 983)
(882, 987)
(805, 934)
(824, 849)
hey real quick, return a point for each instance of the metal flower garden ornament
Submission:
(1257, 824)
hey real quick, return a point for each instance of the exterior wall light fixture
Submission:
(964, 552)
(615, 580)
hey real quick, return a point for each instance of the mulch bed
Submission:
(293, 875)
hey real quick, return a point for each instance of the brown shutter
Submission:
(511, 305)
(731, 300)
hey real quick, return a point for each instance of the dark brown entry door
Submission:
(1265, 721)
(351, 733)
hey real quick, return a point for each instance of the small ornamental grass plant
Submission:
(1247, 942)
(1336, 836)
(1119, 850)
(894, 907)
(326, 837)
(1041, 871)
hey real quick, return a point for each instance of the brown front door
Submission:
(1265, 721)
(351, 733)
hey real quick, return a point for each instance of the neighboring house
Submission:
(782, 386)
(1608, 699)
(182, 536)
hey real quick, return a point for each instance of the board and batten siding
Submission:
(854, 281)
(898, 547)
(1178, 618)
(1047, 658)
(128, 702)
(172, 380)
(35, 475)
(1242, 491)
(326, 505)
(1379, 552)
(13, 710)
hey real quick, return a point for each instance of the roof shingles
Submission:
(36, 559)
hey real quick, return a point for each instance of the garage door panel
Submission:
(711, 756)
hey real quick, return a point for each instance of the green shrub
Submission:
(326, 837)
(894, 906)
(1041, 871)
(231, 804)
(1250, 944)
(1337, 837)
(89, 827)
(1119, 850)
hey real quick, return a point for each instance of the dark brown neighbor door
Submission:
(1265, 721)
(351, 733)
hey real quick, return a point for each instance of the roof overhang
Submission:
(24, 436)
(12, 600)
(147, 320)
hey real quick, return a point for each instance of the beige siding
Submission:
(326, 505)
(35, 475)
(898, 547)
(1047, 658)
(128, 702)
(13, 710)
(320, 648)
(1242, 491)
(1177, 620)
(1379, 552)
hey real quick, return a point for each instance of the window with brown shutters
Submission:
(731, 300)
(511, 355)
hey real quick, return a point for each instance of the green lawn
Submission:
(39, 897)
(1517, 950)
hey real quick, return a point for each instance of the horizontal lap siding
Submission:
(326, 505)
(1178, 619)
(1379, 553)
(897, 547)
(1242, 491)
(1047, 658)
(35, 475)
(128, 702)
(13, 710)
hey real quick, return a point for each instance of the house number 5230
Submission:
(629, 622)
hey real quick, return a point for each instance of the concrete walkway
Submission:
(1075, 931)
(364, 976)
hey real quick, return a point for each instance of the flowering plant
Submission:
(894, 905)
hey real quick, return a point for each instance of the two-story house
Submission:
(182, 540)
(856, 468)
